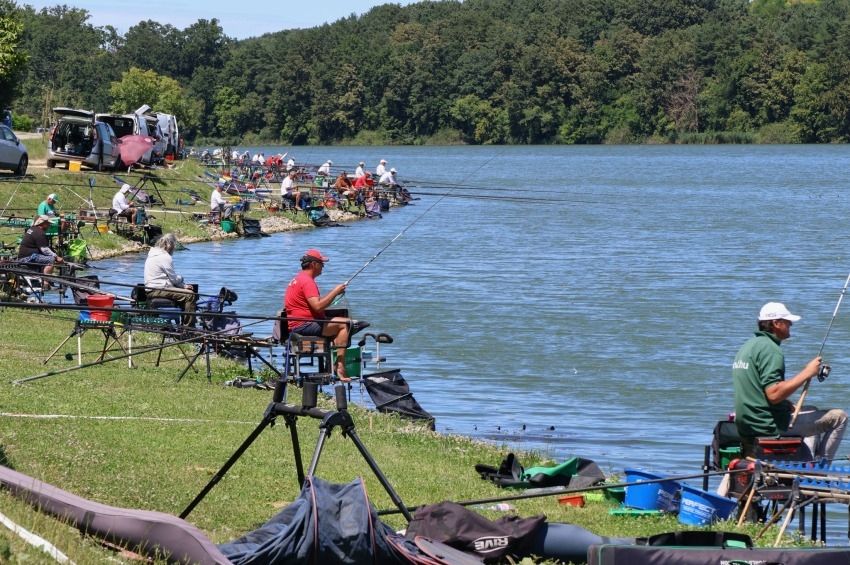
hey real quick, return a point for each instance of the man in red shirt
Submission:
(305, 308)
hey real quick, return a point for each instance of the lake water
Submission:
(594, 308)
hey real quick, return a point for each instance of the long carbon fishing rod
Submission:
(411, 224)
(140, 351)
(513, 198)
(573, 490)
(799, 405)
(84, 283)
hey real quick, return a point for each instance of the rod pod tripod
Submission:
(290, 413)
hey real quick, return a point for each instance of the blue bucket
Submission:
(700, 508)
(654, 496)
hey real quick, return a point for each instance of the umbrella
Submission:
(132, 148)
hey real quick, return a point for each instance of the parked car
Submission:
(129, 124)
(13, 153)
(77, 137)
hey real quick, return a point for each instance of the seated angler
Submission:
(305, 309)
(48, 206)
(35, 247)
(121, 205)
(762, 408)
(218, 203)
(161, 281)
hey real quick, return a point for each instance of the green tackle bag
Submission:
(78, 250)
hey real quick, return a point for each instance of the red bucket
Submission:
(100, 301)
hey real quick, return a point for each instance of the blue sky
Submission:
(239, 19)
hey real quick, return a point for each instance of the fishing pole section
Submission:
(825, 369)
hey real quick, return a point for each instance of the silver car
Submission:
(77, 137)
(13, 153)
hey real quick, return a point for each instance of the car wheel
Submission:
(22, 166)
(51, 164)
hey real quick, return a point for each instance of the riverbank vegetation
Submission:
(518, 71)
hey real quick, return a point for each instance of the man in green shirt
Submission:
(48, 206)
(762, 408)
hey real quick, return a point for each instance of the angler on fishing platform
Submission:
(762, 409)
(305, 307)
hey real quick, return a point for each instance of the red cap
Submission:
(316, 254)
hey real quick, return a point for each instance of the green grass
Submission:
(135, 438)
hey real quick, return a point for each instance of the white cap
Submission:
(383, 160)
(330, 162)
(776, 311)
(393, 170)
(125, 187)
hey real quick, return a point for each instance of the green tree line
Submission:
(477, 71)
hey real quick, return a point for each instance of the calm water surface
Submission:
(597, 311)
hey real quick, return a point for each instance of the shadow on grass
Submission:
(5, 460)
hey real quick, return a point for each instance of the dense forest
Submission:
(477, 71)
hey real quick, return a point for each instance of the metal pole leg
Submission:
(374, 466)
(266, 421)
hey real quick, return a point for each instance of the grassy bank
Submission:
(135, 438)
(173, 184)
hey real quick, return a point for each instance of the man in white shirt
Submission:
(360, 171)
(162, 281)
(219, 203)
(287, 190)
(388, 178)
(381, 168)
(290, 165)
(325, 169)
(122, 205)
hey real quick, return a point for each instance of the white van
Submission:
(168, 125)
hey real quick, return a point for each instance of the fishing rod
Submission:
(74, 281)
(198, 313)
(574, 490)
(514, 198)
(411, 224)
(824, 369)
(141, 351)
(10, 198)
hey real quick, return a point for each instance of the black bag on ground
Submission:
(251, 228)
(468, 531)
(390, 393)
